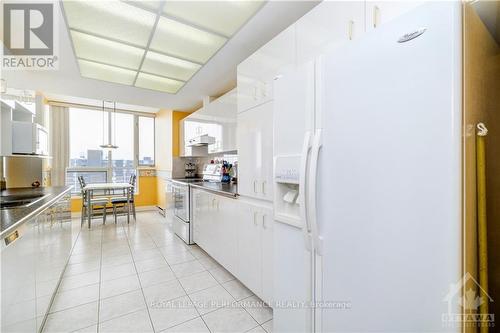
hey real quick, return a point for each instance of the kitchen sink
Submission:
(20, 200)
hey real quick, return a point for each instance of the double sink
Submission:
(20, 200)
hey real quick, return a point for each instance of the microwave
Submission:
(29, 138)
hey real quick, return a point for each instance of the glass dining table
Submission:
(107, 188)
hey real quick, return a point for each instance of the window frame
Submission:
(109, 168)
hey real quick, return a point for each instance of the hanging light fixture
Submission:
(111, 113)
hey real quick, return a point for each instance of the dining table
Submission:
(107, 188)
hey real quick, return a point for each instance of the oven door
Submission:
(181, 201)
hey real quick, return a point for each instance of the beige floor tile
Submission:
(80, 280)
(187, 268)
(257, 309)
(230, 319)
(137, 322)
(178, 258)
(197, 282)
(172, 313)
(157, 276)
(120, 305)
(74, 297)
(119, 286)
(72, 319)
(237, 289)
(221, 274)
(193, 326)
(160, 293)
(150, 264)
(115, 272)
(211, 299)
(268, 326)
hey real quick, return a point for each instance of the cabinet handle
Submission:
(255, 186)
(350, 29)
(217, 205)
(255, 218)
(255, 93)
(264, 187)
(264, 221)
(213, 200)
(376, 14)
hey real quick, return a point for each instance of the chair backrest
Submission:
(81, 181)
(132, 181)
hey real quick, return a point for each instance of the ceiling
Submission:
(156, 45)
(215, 77)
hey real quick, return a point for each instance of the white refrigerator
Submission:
(369, 135)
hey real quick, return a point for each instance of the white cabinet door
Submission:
(249, 249)
(379, 12)
(327, 24)
(255, 152)
(267, 255)
(256, 73)
(225, 224)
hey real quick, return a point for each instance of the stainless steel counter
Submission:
(225, 189)
(11, 218)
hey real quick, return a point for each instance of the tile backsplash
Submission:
(179, 162)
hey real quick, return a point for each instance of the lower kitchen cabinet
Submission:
(238, 234)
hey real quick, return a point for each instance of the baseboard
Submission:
(137, 209)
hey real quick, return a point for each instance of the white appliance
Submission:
(372, 142)
(212, 172)
(29, 138)
(202, 140)
(182, 211)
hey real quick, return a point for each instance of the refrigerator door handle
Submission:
(311, 191)
(306, 148)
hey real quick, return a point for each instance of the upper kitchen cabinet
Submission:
(327, 24)
(222, 113)
(379, 12)
(216, 120)
(256, 73)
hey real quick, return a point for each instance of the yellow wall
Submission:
(147, 194)
(176, 118)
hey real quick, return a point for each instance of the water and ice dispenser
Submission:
(286, 189)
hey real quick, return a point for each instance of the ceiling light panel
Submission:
(151, 5)
(103, 50)
(113, 19)
(159, 83)
(97, 71)
(223, 17)
(169, 66)
(184, 41)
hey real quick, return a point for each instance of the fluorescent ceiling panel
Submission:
(151, 5)
(102, 50)
(106, 73)
(113, 19)
(223, 17)
(159, 83)
(175, 68)
(184, 41)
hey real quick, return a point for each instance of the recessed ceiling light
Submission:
(103, 72)
(169, 66)
(184, 41)
(102, 50)
(223, 17)
(112, 19)
(156, 45)
(158, 83)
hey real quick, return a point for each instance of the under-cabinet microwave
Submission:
(29, 138)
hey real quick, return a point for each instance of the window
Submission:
(88, 129)
(146, 141)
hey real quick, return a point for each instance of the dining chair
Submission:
(95, 203)
(121, 202)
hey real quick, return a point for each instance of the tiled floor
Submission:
(142, 278)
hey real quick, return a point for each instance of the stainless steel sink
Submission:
(20, 200)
